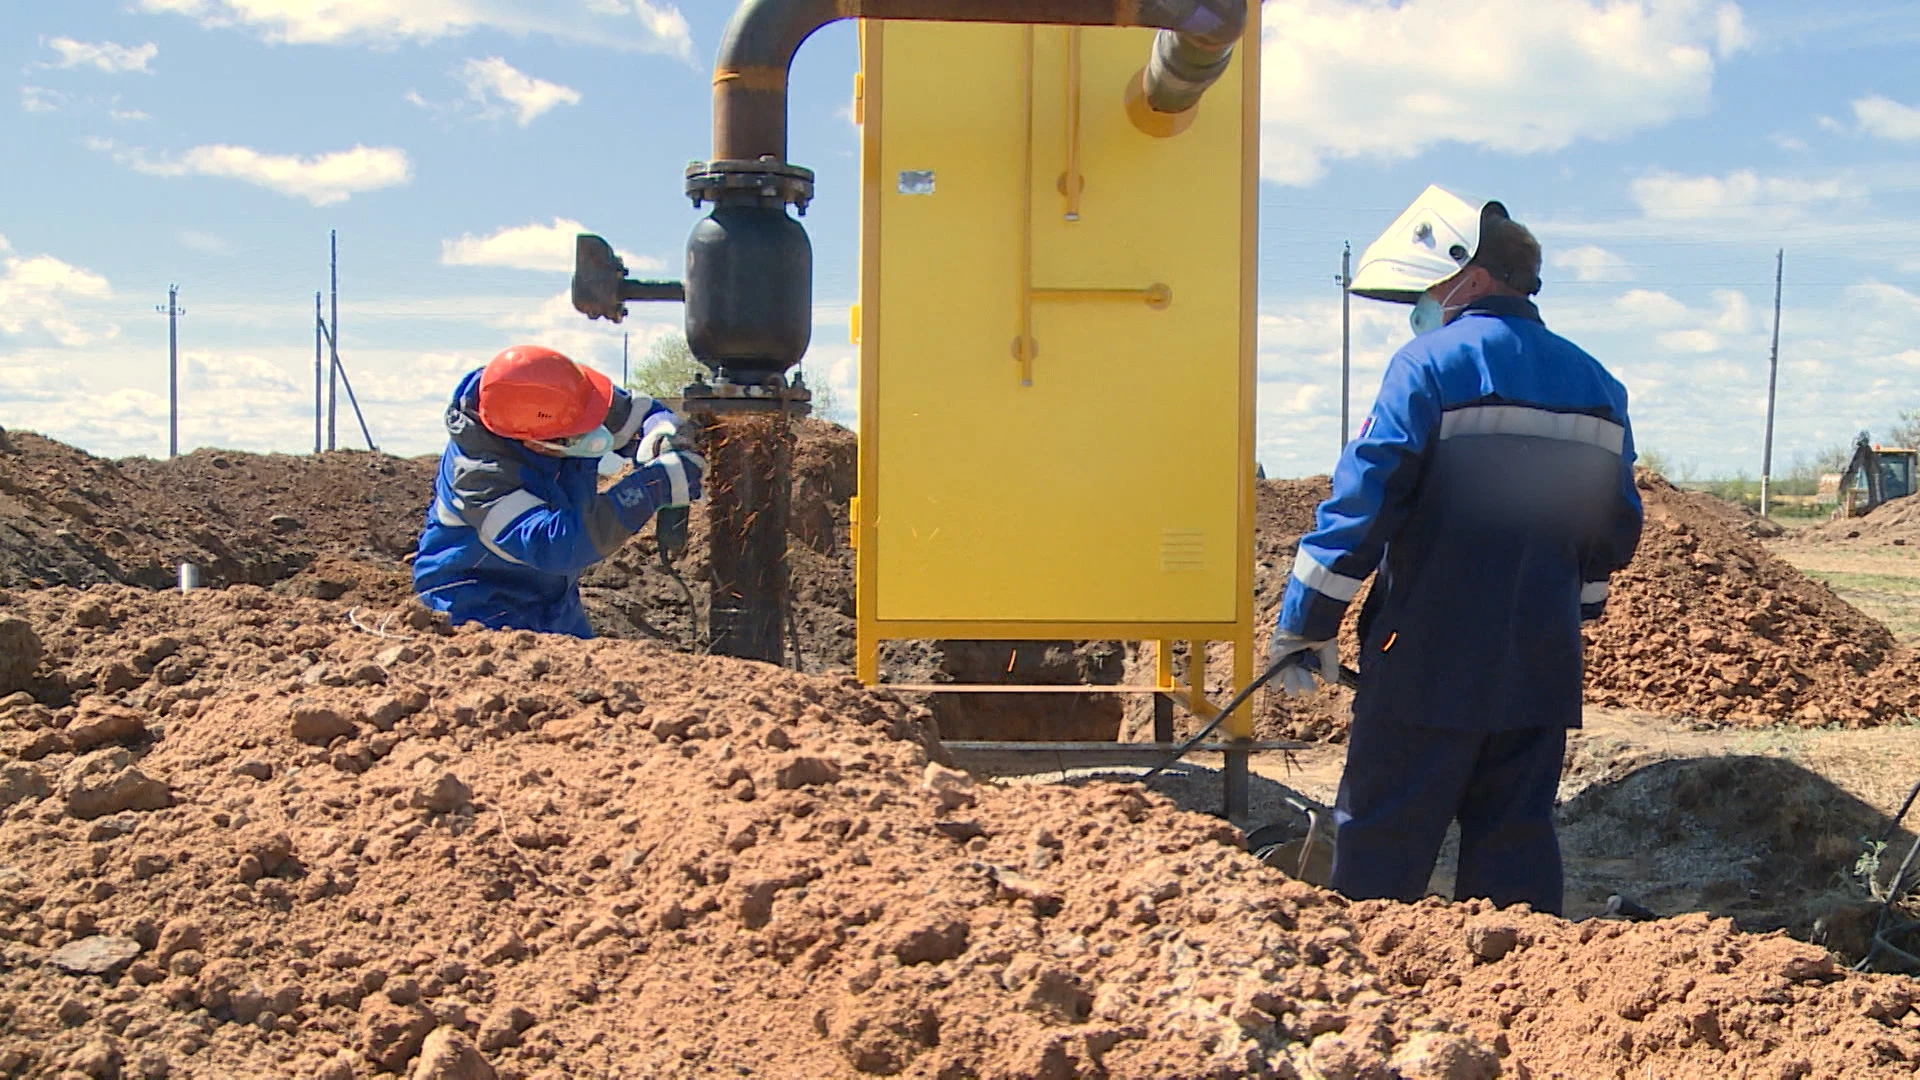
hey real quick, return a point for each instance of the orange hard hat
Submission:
(533, 392)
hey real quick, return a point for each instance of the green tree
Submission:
(1834, 458)
(1676, 470)
(826, 403)
(1906, 433)
(666, 369)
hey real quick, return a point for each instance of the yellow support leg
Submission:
(866, 656)
(1197, 677)
(1240, 724)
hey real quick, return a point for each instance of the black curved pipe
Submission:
(750, 77)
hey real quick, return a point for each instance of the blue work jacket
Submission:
(1491, 488)
(510, 531)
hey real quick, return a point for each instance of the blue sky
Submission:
(1662, 149)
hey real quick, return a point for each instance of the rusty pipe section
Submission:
(750, 77)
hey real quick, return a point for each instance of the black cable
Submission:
(793, 637)
(1895, 889)
(1348, 678)
(693, 606)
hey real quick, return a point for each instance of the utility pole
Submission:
(1773, 380)
(1346, 339)
(173, 311)
(319, 381)
(333, 337)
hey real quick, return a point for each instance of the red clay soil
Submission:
(241, 838)
(67, 517)
(1891, 524)
(352, 504)
(1706, 623)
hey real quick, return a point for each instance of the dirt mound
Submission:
(1284, 512)
(347, 503)
(1762, 840)
(67, 517)
(243, 838)
(1895, 524)
(1735, 516)
(1706, 623)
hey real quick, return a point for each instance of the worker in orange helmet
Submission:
(517, 513)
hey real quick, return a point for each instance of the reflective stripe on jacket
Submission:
(1492, 490)
(510, 531)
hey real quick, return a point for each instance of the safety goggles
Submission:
(592, 444)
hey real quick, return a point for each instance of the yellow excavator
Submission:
(1875, 475)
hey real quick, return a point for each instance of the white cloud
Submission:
(40, 99)
(128, 116)
(1650, 308)
(493, 79)
(104, 55)
(1591, 263)
(1887, 119)
(546, 248)
(35, 294)
(1388, 80)
(1792, 144)
(639, 25)
(1740, 195)
(554, 323)
(321, 179)
(205, 242)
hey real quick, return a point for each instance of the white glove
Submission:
(1300, 660)
(656, 442)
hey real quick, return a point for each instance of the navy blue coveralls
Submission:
(511, 531)
(1492, 491)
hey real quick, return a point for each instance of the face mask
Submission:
(593, 444)
(1430, 314)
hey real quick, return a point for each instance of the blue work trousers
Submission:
(1405, 783)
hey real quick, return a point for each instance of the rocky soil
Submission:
(240, 836)
(1706, 623)
(1891, 524)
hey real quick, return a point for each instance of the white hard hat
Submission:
(1430, 242)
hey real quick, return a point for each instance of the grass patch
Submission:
(1893, 599)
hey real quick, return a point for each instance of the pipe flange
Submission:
(765, 182)
(772, 395)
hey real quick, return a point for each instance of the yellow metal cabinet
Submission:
(1056, 332)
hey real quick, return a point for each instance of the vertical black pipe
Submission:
(750, 454)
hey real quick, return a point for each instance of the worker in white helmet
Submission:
(1490, 493)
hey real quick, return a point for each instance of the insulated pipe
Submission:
(750, 77)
